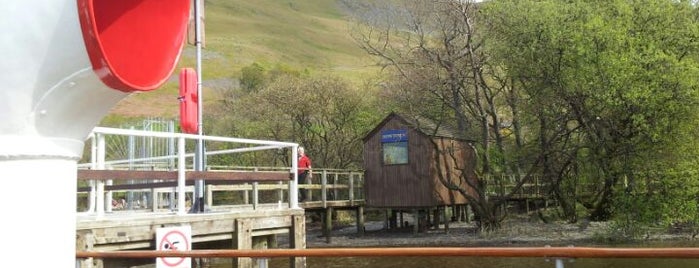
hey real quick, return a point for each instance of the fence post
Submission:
(351, 188)
(255, 195)
(280, 185)
(335, 193)
(100, 166)
(324, 187)
(294, 182)
(181, 166)
(209, 195)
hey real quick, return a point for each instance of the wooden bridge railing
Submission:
(226, 187)
(328, 185)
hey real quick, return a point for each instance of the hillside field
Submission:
(302, 34)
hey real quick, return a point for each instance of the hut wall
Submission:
(400, 185)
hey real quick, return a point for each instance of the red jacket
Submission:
(304, 164)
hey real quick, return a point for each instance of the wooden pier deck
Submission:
(249, 209)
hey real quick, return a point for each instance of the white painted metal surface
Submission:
(50, 100)
(102, 198)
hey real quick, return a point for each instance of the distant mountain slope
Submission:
(304, 34)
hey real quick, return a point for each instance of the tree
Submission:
(434, 50)
(610, 84)
(325, 114)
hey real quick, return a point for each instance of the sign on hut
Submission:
(417, 166)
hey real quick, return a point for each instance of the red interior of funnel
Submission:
(134, 45)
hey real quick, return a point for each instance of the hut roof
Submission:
(423, 125)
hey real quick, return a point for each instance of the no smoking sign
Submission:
(173, 238)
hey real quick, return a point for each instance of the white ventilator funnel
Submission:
(54, 89)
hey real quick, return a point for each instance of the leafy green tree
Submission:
(434, 52)
(326, 114)
(253, 77)
(611, 84)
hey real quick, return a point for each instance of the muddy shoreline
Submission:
(516, 232)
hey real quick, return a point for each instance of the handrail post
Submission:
(280, 193)
(92, 196)
(351, 188)
(255, 195)
(335, 191)
(100, 165)
(181, 166)
(246, 194)
(324, 187)
(209, 195)
(294, 182)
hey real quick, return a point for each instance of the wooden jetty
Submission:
(255, 220)
(112, 220)
(245, 207)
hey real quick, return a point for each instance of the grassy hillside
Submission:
(303, 34)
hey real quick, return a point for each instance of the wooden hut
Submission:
(409, 163)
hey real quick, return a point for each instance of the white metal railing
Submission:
(98, 197)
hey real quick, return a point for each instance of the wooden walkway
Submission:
(249, 208)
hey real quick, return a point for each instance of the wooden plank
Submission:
(272, 222)
(297, 240)
(243, 230)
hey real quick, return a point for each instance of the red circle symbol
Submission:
(174, 240)
(134, 45)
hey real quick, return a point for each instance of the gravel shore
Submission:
(515, 232)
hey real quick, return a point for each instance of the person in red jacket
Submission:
(304, 171)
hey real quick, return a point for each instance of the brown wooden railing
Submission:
(546, 252)
(250, 183)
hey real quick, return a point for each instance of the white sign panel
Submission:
(173, 238)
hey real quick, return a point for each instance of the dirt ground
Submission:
(518, 231)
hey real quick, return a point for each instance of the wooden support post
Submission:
(416, 218)
(435, 218)
(386, 225)
(324, 188)
(85, 241)
(328, 224)
(298, 240)
(445, 220)
(465, 216)
(243, 240)
(260, 242)
(428, 219)
(360, 220)
(526, 204)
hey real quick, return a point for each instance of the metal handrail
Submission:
(98, 198)
(545, 252)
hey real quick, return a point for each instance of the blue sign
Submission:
(394, 135)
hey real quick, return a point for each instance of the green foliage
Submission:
(253, 77)
(611, 85)
(326, 114)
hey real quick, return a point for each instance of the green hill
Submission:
(302, 34)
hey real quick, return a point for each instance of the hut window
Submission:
(394, 146)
